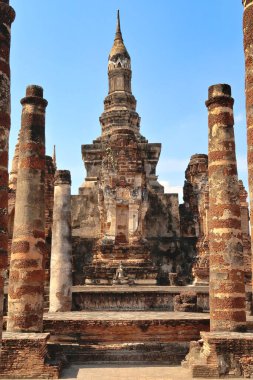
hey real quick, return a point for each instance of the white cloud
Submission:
(172, 165)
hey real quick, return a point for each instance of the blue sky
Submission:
(178, 49)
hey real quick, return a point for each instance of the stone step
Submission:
(120, 327)
(169, 353)
(123, 336)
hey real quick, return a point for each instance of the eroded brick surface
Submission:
(26, 282)
(194, 216)
(222, 354)
(7, 16)
(227, 291)
(24, 355)
(248, 51)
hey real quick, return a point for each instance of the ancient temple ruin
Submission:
(121, 209)
(122, 244)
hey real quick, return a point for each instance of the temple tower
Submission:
(124, 203)
(26, 281)
(119, 114)
(121, 162)
(227, 289)
(61, 264)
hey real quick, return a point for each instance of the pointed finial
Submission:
(118, 48)
(54, 158)
(118, 35)
(118, 20)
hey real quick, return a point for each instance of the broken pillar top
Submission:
(34, 95)
(34, 90)
(221, 89)
(219, 93)
(247, 2)
(62, 177)
(198, 157)
(7, 13)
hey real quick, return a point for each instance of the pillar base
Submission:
(25, 355)
(226, 354)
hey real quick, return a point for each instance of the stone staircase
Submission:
(139, 352)
(123, 336)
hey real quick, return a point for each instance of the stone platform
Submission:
(25, 355)
(221, 354)
(134, 298)
(83, 337)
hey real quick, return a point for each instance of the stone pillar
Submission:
(227, 289)
(61, 263)
(7, 16)
(26, 281)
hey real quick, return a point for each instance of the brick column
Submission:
(248, 51)
(227, 289)
(61, 264)
(7, 16)
(26, 285)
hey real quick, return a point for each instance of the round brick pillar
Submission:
(227, 289)
(26, 281)
(248, 51)
(7, 16)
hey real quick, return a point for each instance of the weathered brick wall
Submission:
(224, 354)
(24, 356)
